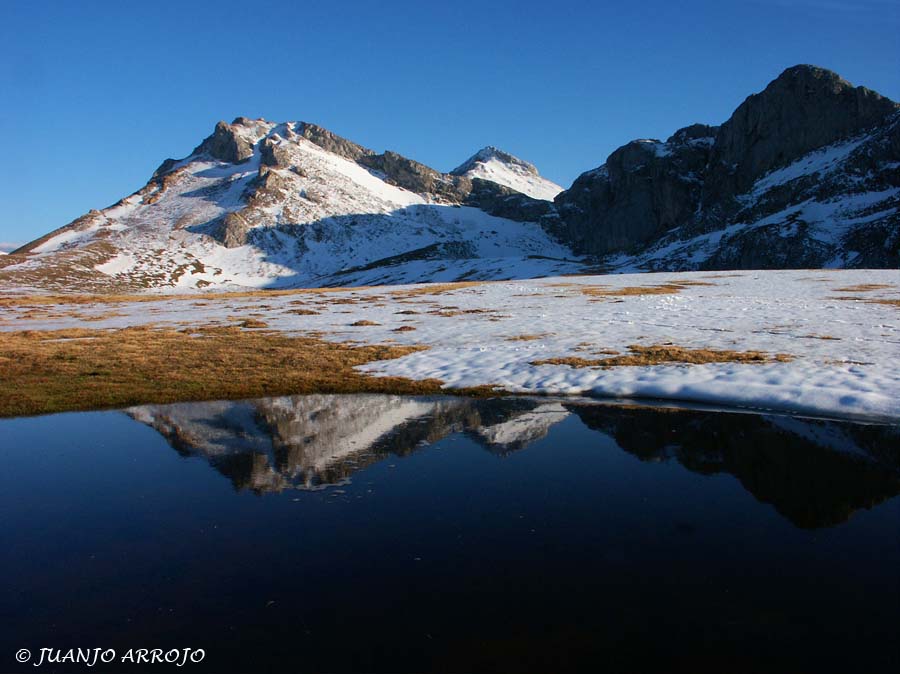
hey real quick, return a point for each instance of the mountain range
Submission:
(804, 174)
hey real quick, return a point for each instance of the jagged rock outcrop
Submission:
(233, 142)
(416, 177)
(505, 202)
(331, 142)
(803, 109)
(803, 174)
(645, 188)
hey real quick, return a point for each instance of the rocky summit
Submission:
(805, 173)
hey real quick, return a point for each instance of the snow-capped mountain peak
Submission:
(491, 163)
(264, 204)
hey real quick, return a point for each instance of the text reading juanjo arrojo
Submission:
(90, 657)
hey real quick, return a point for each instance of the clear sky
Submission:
(96, 94)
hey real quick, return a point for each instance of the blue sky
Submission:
(96, 94)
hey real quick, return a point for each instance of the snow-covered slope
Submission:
(259, 204)
(502, 168)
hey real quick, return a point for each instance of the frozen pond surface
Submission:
(390, 533)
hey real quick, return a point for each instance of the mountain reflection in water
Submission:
(815, 473)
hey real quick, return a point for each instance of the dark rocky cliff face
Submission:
(645, 188)
(704, 179)
(804, 108)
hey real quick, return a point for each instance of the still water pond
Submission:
(387, 533)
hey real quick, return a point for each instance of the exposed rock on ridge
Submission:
(805, 108)
(810, 140)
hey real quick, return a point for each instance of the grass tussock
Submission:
(81, 369)
(363, 323)
(862, 288)
(253, 323)
(435, 289)
(527, 338)
(661, 354)
(870, 300)
(670, 288)
(404, 328)
(449, 312)
(627, 291)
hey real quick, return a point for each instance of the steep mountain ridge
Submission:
(265, 204)
(805, 173)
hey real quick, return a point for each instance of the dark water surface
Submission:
(387, 533)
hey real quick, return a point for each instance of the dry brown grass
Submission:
(435, 289)
(527, 338)
(862, 288)
(8, 300)
(449, 312)
(363, 323)
(302, 312)
(80, 369)
(660, 354)
(253, 323)
(870, 300)
(662, 289)
(338, 300)
(404, 328)
(597, 352)
(98, 317)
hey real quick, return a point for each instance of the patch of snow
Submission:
(659, 148)
(118, 264)
(845, 352)
(822, 161)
